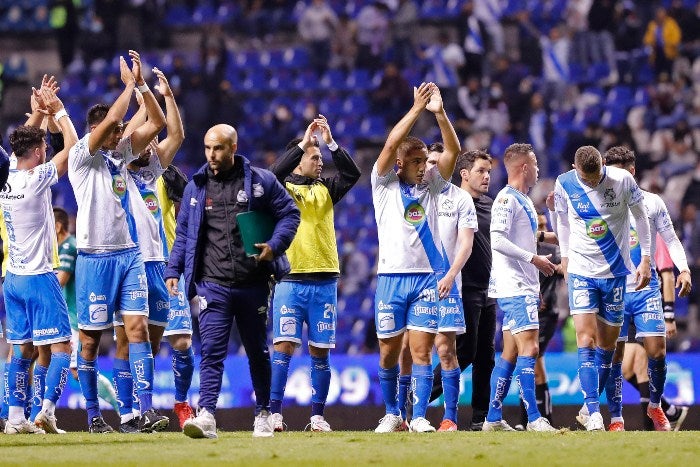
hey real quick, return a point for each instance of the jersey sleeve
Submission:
(79, 155)
(662, 220)
(43, 176)
(435, 180)
(67, 255)
(467, 214)
(502, 213)
(560, 203)
(124, 148)
(632, 193)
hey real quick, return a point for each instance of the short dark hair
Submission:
(296, 141)
(61, 217)
(25, 138)
(436, 147)
(96, 114)
(620, 155)
(588, 159)
(467, 159)
(517, 149)
(409, 144)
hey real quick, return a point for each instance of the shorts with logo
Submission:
(179, 317)
(644, 309)
(406, 301)
(36, 310)
(451, 313)
(74, 346)
(605, 297)
(158, 295)
(108, 285)
(313, 302)
(519, 313)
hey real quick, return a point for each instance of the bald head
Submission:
(225, 132)
(220, 144)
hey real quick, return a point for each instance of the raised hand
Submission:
(51, 101)
(435, 102)
(309, 139)
(163, 86)
(126, 75)
(421, 95)
(322, 125)
(136, 66)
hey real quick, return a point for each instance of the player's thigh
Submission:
(49, 311)
(321, 314)
(97, 283)
(519, 313)
(18, 319)
(288, 305)
(133, 292)
(391, 305)
(158, 294)
(422, 313)
(612, 301)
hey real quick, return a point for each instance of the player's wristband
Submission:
(61, 113)
(540, 239)
(669, 314)
(143, 88)
(333, 146)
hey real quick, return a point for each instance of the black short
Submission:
(548, 324)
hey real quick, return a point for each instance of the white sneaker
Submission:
(262, 425)
(390, 423)
(595, 422)
(278, 422)
(201, 426)
(21, 428)
(583, 416)
(421, 425)
(500, 425)
(541, 424)
(47, 423)
(318, 423)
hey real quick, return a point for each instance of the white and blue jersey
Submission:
(599, 222)
(147, 211)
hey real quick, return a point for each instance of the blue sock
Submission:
(657, 379)
(525, 371)
(57, 376)
(613, 390)
(38, 385)
(135, 402)
(388, 381)
(4, 413)
(588, 376)
(422, 385)
(18, 381)
(320, 383)
(183, 369)
(141, 361)
(123, 385)
(87, 376)
(500, 384)
(603, 361)
(404, 385)
(450, 389)
(280, 370)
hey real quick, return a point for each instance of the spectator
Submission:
(64, 21)
(392, 95)
(344, 44)
(316, 27)
(663, 37)
(490, 12)
(602, 21)
(473, 37)
(403, 27)
(372, 35)
(445, 59)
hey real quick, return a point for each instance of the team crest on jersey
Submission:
(596, 228)
(151, 203)
(415, 214)
(447, 205)
(609, 194)
(118, 185)
(503, 200)
(634, 238)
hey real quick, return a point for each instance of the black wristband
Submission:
(669, 314)
(541, 237)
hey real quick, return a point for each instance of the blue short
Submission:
(520, 313)
(108, 285)
(406, 301)
(310, 302)
(158, 295)
(179, 317)
(451, 313)
(36, 309)
(644, 308)
(605, 297)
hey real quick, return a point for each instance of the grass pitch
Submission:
(565, 448)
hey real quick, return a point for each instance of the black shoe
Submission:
(152, 421)
(476, 426)
(676, 420)
(2, 425)
(132, 426)
(98, 425)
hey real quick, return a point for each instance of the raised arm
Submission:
(139, 117)
(56, 110)
(286, 164)
(176, 132)
(348, 172)
(155, 118)
(446, 162)
(387, 158)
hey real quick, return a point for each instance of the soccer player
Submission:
(309, 292)
(67, 255)
(33, 318)
(594, 204)
(144, 171)
(515, 284)
(410, 259)
(109, 273)
(644, 306)
(457, 224)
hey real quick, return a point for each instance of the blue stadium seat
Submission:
(295, 57)
(334, 79)
(356, 104)
(372, 127)
(359, 80)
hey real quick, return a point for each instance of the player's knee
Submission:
(61, 347)
(180, 342)
(318, 352)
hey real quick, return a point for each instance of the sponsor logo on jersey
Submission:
(383, 306)
(425, 310)
(45, 332)
(447, 205)
(581, 298)
(93, 297)
(326, 327)
(118, 185)
(98, 313)
(634, 238)
(385, 322)
(415, 214)
(448, 310)
(285, 311)
(596, 228)
(288, 326)
(151, 203)
(579, 283)
(651, 317)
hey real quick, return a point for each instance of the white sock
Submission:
(126, 417)
(616, 419)
(16, 415)
(653, 406)
(48, 407)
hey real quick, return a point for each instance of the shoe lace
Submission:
(387, 419)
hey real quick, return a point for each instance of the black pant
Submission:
(477, 348)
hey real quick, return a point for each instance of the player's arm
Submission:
(155, 119)
(176, 132)
(63, 277)
(446, 162)
(387, 158)
(56, 110)
(139, 118)
(668, 301)
(643, 273)
(38, 114)
(465, 242)
(176, 262)
(675, 249)
(286, 164)
(563, 230)
(348, 172)
(116, 112)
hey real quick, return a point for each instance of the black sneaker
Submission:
(132, 426)
(152, 421)
(476, 426)
(2, 425)
(98, 425)
(676, 420)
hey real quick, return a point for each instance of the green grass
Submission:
(357, 448)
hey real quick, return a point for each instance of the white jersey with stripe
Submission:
(599, 221)
(146, 208)
(455, 212)
(659, 222)
(514, 215)
(104, 222)
(407, 223)
(31, 229)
